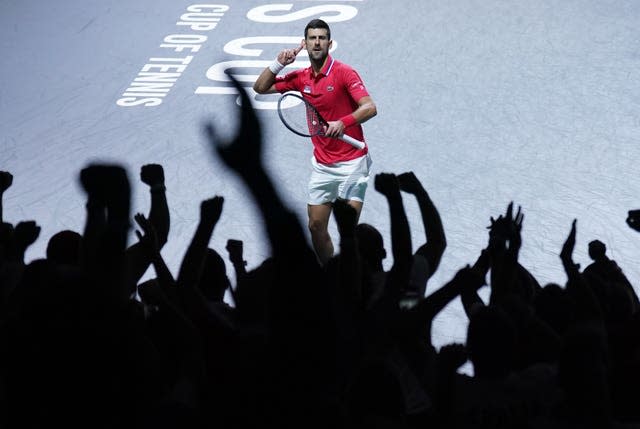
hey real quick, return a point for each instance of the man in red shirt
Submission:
(337, 91)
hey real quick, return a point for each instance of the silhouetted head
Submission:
(491, 341)
(214, 281)
(554, 306)
(371, 245)
(597, 250)
(253, 292)
(47, 288)
(64, 248)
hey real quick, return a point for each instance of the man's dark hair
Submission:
(317, 23)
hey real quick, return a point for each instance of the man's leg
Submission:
(318, 226)
(357, 205)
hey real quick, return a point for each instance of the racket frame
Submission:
(347, 139)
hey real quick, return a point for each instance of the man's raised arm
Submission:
(265, 84)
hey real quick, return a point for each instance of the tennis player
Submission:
(339, 169)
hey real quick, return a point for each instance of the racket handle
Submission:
(353, 142)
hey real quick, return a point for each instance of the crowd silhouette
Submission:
(87, 343)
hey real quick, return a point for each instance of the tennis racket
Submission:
(302, 118)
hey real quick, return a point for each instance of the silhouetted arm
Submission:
(96, 216)
(435, 242)
(423, 313)
(235, 250)
(398, 278)
(297, 297)
(13, 245)
(10, 270)
(180, 332)
(106, 230)
(192, 267)
(469, 296)
(153, 176)
(24, 235)
(587, 305)
(243, 155)
(504, 247)
(193, 261)
(148, 242)
(350, 268)
(6, 179)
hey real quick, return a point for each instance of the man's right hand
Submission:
(288, 56)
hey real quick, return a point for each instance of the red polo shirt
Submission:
(335, 92)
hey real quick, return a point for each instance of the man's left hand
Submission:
(335, 129)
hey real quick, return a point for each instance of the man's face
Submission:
(317, 44)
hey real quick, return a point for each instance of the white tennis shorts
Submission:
(345, 180)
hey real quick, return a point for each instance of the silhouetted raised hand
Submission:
(505, 230)
(452, 356)
(387, 184)
(25, 234)
(235, 249)
(504, 246)
(243, 152)
(6, 179)
(566, 254)
(409, 183)
(633, 220)
(152, 175)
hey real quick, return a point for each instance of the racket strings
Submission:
(316, 127)
(295, 117)
(299, 116)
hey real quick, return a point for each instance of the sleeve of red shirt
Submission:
(288, 82)
(354, 85)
